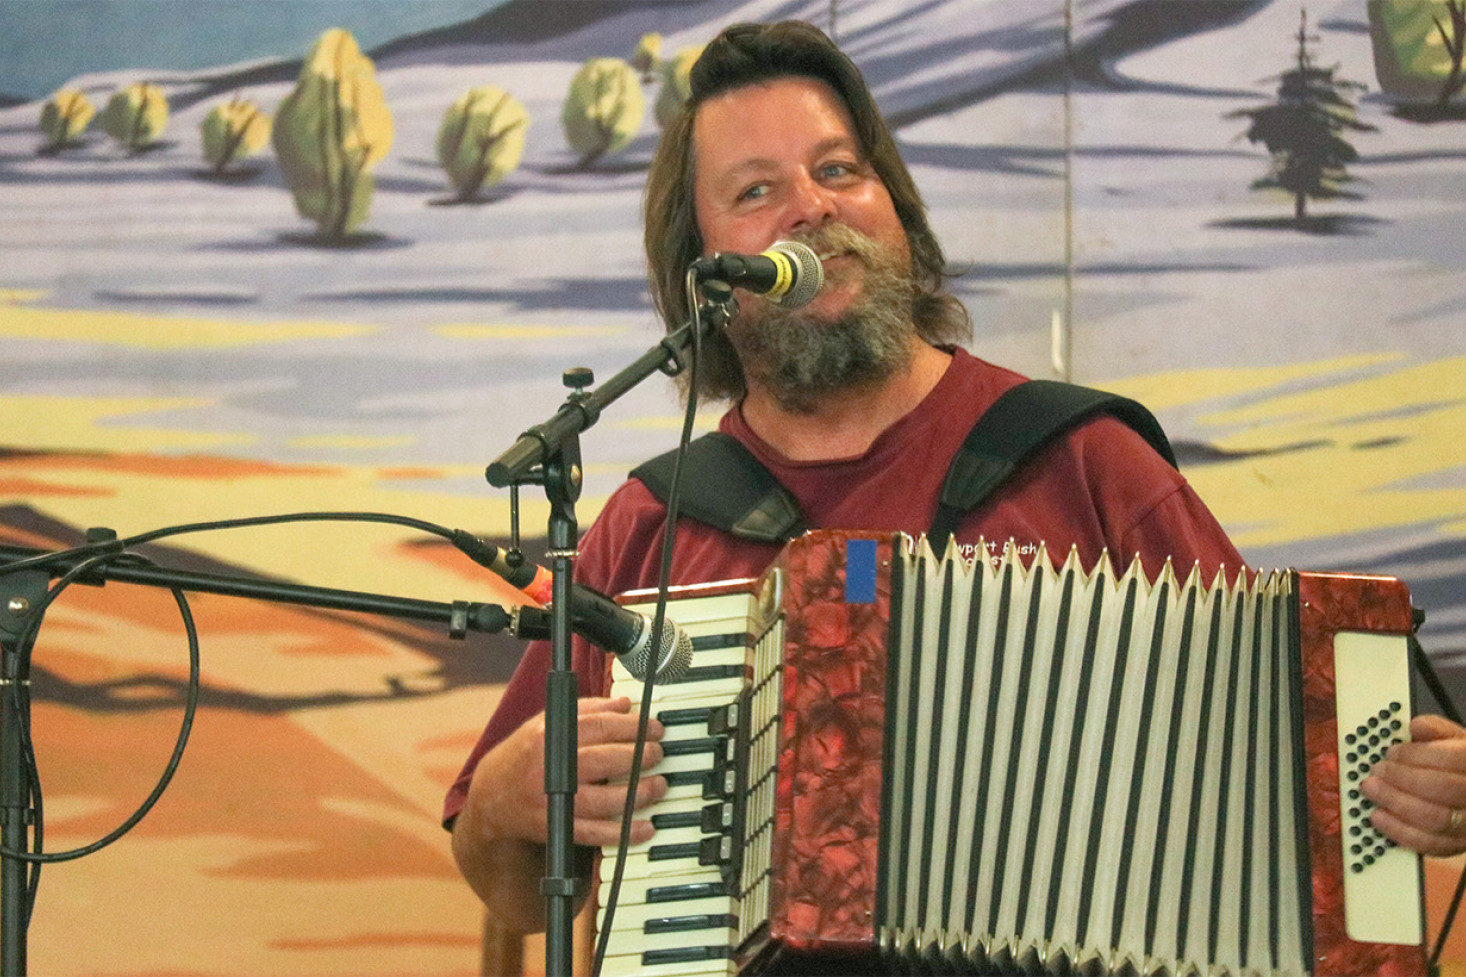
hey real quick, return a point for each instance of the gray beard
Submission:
(800, 359)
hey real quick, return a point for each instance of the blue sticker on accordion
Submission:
(860, 571)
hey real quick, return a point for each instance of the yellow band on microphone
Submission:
(783, 272)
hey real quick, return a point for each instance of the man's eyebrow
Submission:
(847, 141)
(744, 171)
(763, 164)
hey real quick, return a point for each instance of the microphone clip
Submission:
(719, 296)
(530, 623)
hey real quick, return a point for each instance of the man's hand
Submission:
(510, 780)
(1419, 789)
(499, 837)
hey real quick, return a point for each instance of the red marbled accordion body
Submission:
(828, 800)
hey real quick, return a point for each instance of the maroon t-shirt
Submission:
(1102, 490)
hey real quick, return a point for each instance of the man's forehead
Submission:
(745, 152)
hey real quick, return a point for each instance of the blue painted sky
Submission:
(43, 43)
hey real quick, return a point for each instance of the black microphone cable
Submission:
(112, 545)
(91, 557)
(19, 691)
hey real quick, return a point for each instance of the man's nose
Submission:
(811, 204)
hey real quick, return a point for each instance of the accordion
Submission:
(883, 760)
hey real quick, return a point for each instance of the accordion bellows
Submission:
(965, 766)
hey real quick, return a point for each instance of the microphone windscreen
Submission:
(673, 654)
(809, 274)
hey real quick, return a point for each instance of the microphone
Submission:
(602, 621)
(531, 578)
(593, 616)
(788, 273)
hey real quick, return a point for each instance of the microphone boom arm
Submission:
(461, 617)
(582, 409)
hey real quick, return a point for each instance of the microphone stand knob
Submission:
(577, 378)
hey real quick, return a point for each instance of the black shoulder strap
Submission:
(1019, 422)
(725, 486)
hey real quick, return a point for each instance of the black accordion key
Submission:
(684, 924)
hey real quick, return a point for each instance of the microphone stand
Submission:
(21, 594)
(548, 454)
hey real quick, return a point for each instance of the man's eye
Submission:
(754, 192)
(832, 171)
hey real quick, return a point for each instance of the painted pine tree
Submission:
(1303, 130)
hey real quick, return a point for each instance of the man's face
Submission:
(780, 160)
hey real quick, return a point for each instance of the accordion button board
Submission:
(1372, 689)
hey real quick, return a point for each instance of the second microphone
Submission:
(594, 616)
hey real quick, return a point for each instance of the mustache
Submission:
(842, 239)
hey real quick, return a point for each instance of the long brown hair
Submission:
(747, 54)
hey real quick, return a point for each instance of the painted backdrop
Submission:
(197, 327)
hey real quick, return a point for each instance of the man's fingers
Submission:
(601, 833)
(1415, 838)
(598, 810)
(614, 728)
(591, 704)
(1430, 825)
(603, 726)
(612, 761)
(605, 802)
(1437, 783)
(1432, 727)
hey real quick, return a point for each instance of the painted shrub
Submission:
(329, 133)
(481, 139)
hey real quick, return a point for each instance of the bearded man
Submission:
(856, 403)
